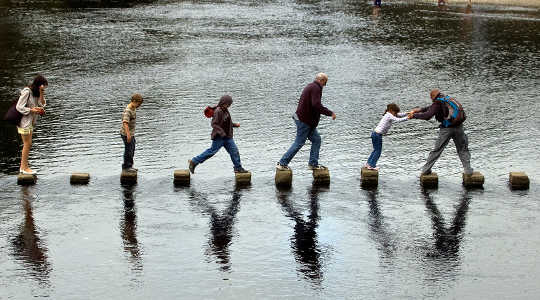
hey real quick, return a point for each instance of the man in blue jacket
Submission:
(307, 116)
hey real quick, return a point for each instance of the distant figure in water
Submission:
(377, 3)
(127, 131)
(222, 135)
(441, 2)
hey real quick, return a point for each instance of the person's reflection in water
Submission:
(378, 231)
(27, 246)
(221, 226)
(128, 228)
(447, 240)
(304, 241)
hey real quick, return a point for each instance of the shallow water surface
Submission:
(213, 239)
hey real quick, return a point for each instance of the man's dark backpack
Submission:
(456, 114)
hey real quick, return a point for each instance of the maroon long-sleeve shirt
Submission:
(310, 108)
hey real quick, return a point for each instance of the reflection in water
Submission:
(304, 241)
(378, 229)
(221, 226)
(447, 240)
(27, 246)
(128, 228)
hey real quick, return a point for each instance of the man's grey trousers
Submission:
(462, 146)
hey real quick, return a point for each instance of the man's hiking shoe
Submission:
(240, 170)
(317, 167)
(282, 167)
(192, 166)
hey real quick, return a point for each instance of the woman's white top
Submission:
(387, 120)
(25, 103)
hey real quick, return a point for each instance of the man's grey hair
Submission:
(321, 76)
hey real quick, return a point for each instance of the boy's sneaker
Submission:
(317, 167)
(282, 167)
(130, 170)
(192, 166)
(372, 168)
(240, 170)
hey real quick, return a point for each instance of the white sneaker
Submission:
(281, 167)
(32, 172)
(317, 167)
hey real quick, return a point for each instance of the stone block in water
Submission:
(25, 179)
(321, 176)
(519, 181)
(283, 178)
(369, 178)
(429, 181)
(79, 178)
(181, 177)
(243, 178)
(474, 180)
(128, 177)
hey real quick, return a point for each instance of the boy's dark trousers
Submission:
(129, 152)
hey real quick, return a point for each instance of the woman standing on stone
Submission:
(30, 104)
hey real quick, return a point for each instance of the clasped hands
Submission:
(410, 114)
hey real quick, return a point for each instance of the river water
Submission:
(214, 240)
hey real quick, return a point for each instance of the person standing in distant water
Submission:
(307, 116)
(222, 136)
(127, 131)
(30, 104)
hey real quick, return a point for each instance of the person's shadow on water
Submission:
(379, 232)
(27, 245)
(221, 225)
(447, 238)
(304, 241)
(128, 227)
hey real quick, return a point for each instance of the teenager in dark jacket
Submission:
(455, 132)
(222, 136)
(307, 116)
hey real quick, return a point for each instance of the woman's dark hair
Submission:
(38, 81)
(392, 107)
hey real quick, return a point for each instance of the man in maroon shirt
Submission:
(307, 117)
(455, 132)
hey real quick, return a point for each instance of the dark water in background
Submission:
(157, 241)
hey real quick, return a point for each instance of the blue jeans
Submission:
(217, 143)
(377, 2)
(129, 152)
(303, 132)
(376, 139)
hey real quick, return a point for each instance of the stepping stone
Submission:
(519, 180)
(475, 180)
(128, 177)
(321, 176)
(283, 178)
(25, 179)
(369, 178)
(181, 177)
(243, 178)
(429, 181)
(79, 178)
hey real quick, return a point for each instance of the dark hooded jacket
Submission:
(222, 125)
